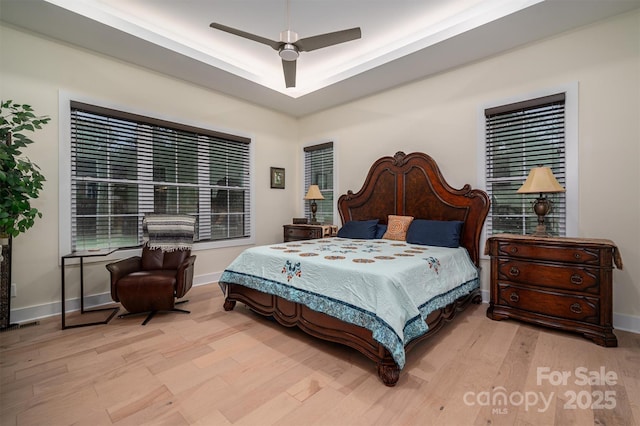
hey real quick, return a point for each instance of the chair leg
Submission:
(153, 313)
(128, 314)
(184, 311)
(148, 318)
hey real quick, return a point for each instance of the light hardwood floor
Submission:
(218, 368)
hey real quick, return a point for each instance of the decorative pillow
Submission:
(363, 229)
(441, 233)
(381, 228)
(397, 227)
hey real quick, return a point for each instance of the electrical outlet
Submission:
(13, 290)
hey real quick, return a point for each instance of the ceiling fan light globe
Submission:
(288, 52)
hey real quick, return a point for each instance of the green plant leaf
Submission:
(21, 179)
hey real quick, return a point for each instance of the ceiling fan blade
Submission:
(274, 44)
(325, 40)
(289, 68)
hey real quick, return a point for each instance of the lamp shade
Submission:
(313, 193)
(540, 180)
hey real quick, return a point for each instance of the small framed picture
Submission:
(277, 177)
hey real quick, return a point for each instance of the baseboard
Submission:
(32, 313)
(37, 312)
(486, 296)
(207, 278)
(626, 322)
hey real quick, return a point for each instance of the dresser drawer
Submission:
(555, 253)
(292, 233)
(577, 308)
(564, 277)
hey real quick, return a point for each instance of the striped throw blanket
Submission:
(168, 232)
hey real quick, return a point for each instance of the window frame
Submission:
(305, 204)
(64, 171)
(571, 149)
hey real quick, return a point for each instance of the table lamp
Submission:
(314, 194)
(541, 180)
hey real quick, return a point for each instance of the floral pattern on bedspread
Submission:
(433, 263)
(291, 269)
(363, 282)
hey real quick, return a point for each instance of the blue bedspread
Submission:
(386, 286)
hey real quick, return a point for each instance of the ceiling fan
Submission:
(290, 46)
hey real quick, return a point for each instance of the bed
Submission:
(320, 285)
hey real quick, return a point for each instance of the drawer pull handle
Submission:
(514, 249)
(577, 255)
(576, 279)
(576, 308)
(514, 271)
(514, 297)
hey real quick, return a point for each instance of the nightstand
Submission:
(308, 232)
(563, 283)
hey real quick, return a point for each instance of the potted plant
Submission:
(20, 181)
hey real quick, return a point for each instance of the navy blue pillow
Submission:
(381, 228)
(441, 233)
(363, 229)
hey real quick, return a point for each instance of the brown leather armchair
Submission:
(152, 282)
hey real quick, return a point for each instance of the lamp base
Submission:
(314, 209)
(541, 207)
(541, 231)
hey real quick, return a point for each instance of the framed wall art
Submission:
(277, 177)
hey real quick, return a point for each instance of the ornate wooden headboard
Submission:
(412, 185)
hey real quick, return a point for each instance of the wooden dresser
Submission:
(564, 283)
(308, 232)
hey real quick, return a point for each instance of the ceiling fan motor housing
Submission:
(288, 36)
(288, 51)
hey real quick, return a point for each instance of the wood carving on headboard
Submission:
(412, 185)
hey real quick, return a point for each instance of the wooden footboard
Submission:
(329, 328)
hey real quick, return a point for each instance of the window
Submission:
(519, 136)
(318, 170)
(125, 165)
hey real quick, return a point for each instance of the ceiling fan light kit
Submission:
(290, 46)
(289, 52)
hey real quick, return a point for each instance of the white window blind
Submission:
(520, 136)
(124, 166)
(318, 170)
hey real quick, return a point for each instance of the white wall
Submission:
(34, 70)
(438, 116)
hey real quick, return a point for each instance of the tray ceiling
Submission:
(402, 41)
